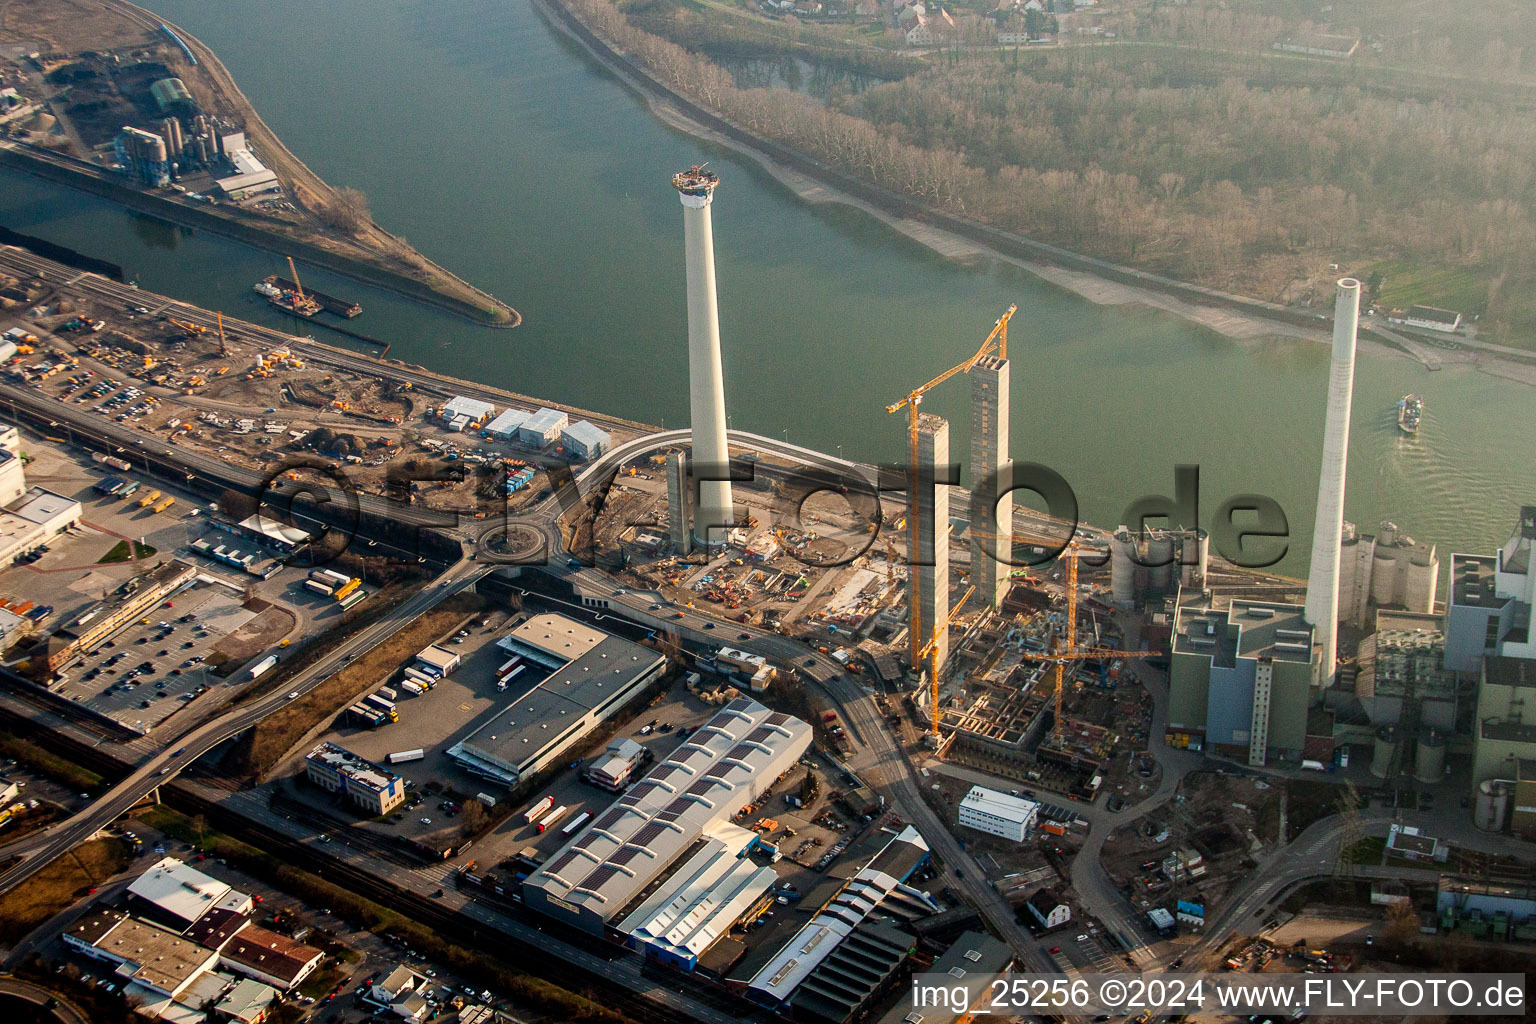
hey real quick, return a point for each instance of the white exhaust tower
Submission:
(713, 512)
(1322, 608)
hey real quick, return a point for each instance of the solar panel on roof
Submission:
(648, 834)
(777, 718)
(561, 862)
(700, 788)
(610, 818)
(738, 752)
(759, 735)
(600, 875)
(624, 854)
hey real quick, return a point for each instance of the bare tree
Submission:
(347, 210)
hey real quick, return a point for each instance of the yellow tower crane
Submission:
(1069, 651)
(930, 650)
(917, 630)
(221, 333)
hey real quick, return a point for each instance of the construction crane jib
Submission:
(1068, 650)
(999, 337)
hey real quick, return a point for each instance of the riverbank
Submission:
(177, 210)
(1238, 317)
(367, 253)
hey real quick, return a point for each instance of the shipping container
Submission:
(264, 665)
(317, 587)
(352, 599)
(402, 756)
(380, 701)
(411, 686)
(335, 576)
(389, 692)
(511, 664)
(576, 823)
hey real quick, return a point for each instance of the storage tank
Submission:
(1384, 752)
(1429, 758)
(1122, 568)
(1160, 560)
(1492, 805)
(1423, 576)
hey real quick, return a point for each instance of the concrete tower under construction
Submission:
(713, 511)
(991, 542)
(929, 608)
(1322, 607)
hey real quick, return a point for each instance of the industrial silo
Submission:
(1492, 806)
(1384, 570)
(1429, 758)
(1160, 560)
(1423, 575)
(1122, 568)
(1384, 752)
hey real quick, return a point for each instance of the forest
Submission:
(1189, 148)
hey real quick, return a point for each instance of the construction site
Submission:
(256, 399)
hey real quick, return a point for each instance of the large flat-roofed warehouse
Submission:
(594, 675)
(729, 762)
(777, 983)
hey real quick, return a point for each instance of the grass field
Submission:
(1413, 283)
(119, 552)
(60, 884)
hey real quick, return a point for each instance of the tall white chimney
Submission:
(713, 512)
(1322, 609)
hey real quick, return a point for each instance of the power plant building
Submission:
(1239, 677)
(1504, 743)
(1489, 612)
(1402, 675)
(143, 155)
(601, 876)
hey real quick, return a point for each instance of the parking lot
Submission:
(149, 670)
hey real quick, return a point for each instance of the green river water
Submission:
(504, 152)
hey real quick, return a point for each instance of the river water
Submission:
(505, 153)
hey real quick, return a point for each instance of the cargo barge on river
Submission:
(330, 303)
